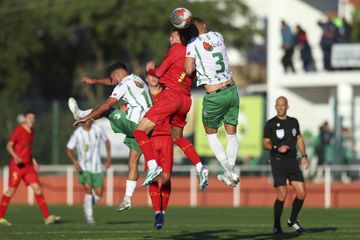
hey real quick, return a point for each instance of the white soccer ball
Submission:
(180, 17)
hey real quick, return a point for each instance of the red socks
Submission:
(154, 192)
(42, 205)
(159, 196)
(188, 149)
(144, 144)
(165, 195)
(4, 205)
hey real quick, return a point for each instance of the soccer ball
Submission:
(180, 18)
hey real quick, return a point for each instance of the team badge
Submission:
(139, 84)
(293, 131)
(207, 46)
(280, 133)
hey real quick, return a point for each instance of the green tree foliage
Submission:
(47, 45)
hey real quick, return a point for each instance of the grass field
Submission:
(180, 223)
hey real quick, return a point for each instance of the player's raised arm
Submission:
(189, 65)
(104, 81)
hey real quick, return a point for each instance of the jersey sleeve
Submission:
(119, 91)
(15, 135)
(190, 50)
(267, 131)
(297, 127)
(72, 142)
(103, 135)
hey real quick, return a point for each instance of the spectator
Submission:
(305, 50)
(288, 46)
(327, 40)
(325, 141)
(344, 32)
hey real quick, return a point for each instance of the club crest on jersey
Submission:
(207, 46)
(280, 133)
(139, 84)
(293, 131)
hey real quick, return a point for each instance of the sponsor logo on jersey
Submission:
(293, 131)
(139, 84)
(280, 133)
(207, 46)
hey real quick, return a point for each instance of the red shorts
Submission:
(28, 174)
(172, 106)
(164, 152)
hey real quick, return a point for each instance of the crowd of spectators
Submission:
(334, 30)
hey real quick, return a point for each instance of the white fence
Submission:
(69, 171)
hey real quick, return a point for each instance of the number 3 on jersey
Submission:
(220, 61)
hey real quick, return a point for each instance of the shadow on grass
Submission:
(233, 234)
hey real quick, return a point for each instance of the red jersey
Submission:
(164, 128)
(22, 140)
(171, 72)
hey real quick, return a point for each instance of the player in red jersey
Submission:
(23, 166)
(174, 104)
(162, 143)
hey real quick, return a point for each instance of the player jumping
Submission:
(207, 55)
(174, 104)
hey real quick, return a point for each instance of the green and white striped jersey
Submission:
(212, 64)
(87, 144)
(135, 92)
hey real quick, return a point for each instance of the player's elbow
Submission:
(189, 70)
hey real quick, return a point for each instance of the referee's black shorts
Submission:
(285, 169)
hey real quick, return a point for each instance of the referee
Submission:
(281, 135)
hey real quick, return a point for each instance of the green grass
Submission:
(181, 223)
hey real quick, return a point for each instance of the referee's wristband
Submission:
(304, 155)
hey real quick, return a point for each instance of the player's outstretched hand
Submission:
(80, 121)
(150, 65)
(87, 80)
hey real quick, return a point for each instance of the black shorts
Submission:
(285, 169)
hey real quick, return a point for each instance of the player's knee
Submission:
(10, 192)
(37, 190)
(282, 195)
(301, 195)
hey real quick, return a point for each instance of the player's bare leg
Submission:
(141, 135)
(229, 177)
(5, 200)
(188, 148)
(133, 176)
(39, 197)
(88, 205)
(299, 188)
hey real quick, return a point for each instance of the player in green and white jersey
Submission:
(135, 93)
(87, 140)
(207, 55)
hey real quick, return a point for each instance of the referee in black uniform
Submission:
(281, 135)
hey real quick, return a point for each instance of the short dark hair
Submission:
(197, 20)
(115, 66)
(27, 112)
(186, 34)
